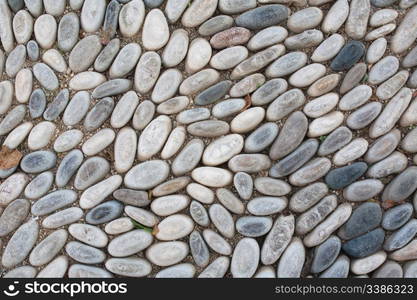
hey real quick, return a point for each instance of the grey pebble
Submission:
(104, 212)
(38, 161)
(53, 201)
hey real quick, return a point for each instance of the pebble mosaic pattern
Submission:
(208, 138)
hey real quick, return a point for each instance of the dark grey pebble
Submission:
(107, 55)
(364, 218)
(112, 88)
(68, 166)
(99, 114)
(350, 54)
(341, 177)
(37, 103)
(325, 254)
(366, 244)
(263, 16)
(296, 159)
(213, 93)
(104, 212)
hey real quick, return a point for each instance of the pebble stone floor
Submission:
(208, 138)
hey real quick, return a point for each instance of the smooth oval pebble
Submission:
(131, 17)
(312, 217)
(395, 217)
(147, 175)
(170, 204)
(77, 108)
(184, 270)
(277, 239)
(325, 254)
(292, 260)
(208, 128)
(68, 29)
(157, 253)
(200, 193)
(222, 219)
(174, 227)
(290, 136)
(365, 245)
(245, 258)
(401, 187)
(252, 226)
(265, 206)
(342, 177)
(84, 253)
(11, 188)
(131, 266)
(129, 243)
(39, 185)
(20, 244)
(401, 237)
(119, 226)
(38, 161)
(104, 212)
(363, 190)
(63, 217)
(13, 216)
(53, 201)
(212, 176)
(88, 234)
(45, 76)
(216, 242)
(98, 192)
(142, 216)
(222, 149)
(285, 104)
(45, 251)
(68, 166)
(199, 213)
(155, 32)
(98, 142)
(90, 172)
